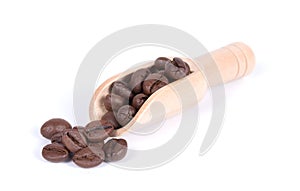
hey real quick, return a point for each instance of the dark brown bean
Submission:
(113, 102)
(125, 114)
(97, 148)
(154, 82)
(98, 131)
(55, 152)
(137, 79)
(74, 140)
(110, 118)
(53, 126)
(115, 149)
(161, 62)
(56, 138)
(86, 158)
(98, 145)
(121, 89)
(139, 100)
(177, 69)
(126, 78)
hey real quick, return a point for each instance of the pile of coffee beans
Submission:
(85, 146)
(127, 95)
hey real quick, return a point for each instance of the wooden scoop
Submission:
(233, 62)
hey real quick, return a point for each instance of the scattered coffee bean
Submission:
(154, 82)
(86, 158)
(94, 146)
(55, 152)
(84, 145)
(115, 149)
(53, 126)
(97, 148)
(139, 100)
(161, 62)
(73, 140)
(110, 118)
(125, 114)
(137, 79)
(56, 138)
(97, 131)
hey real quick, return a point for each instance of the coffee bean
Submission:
(181, 64)
(97, 131)
(139, 100)
(115, 149)
(74, 140)
(121, 89)
(55, 152)
(126, 78)
(86, 158)
(53, 126)
(125, 114)
(162, 72)
(177, 69)
(57, 138)
(153, 69)
(97, 148)
(160, 62)
(137, 79)
(154, 82)
(110, 118)
(113, 102)
(78, 127)
(98, 145)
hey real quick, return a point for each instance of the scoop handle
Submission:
(233, 61)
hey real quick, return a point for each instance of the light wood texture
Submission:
(230, 62)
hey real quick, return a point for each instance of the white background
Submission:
(43, 43)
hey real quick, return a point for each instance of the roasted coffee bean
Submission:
(139, 100)
(56, 138)
(126, 78)
(73, 140)
(110, 118)
(113, 102)
(79, 128)
(115, 149)
(98, 145)
(162, 72)
(86, 158)
(98, 131)
(161, 62)
(153, 69)
(55, 152)
(121, 89)
(154, 82)
(53, 126)
(125, 114)
(177, 69)
(97, 148)
(137, 79)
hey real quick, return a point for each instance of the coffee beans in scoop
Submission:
(85, 146)
(128, 94)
